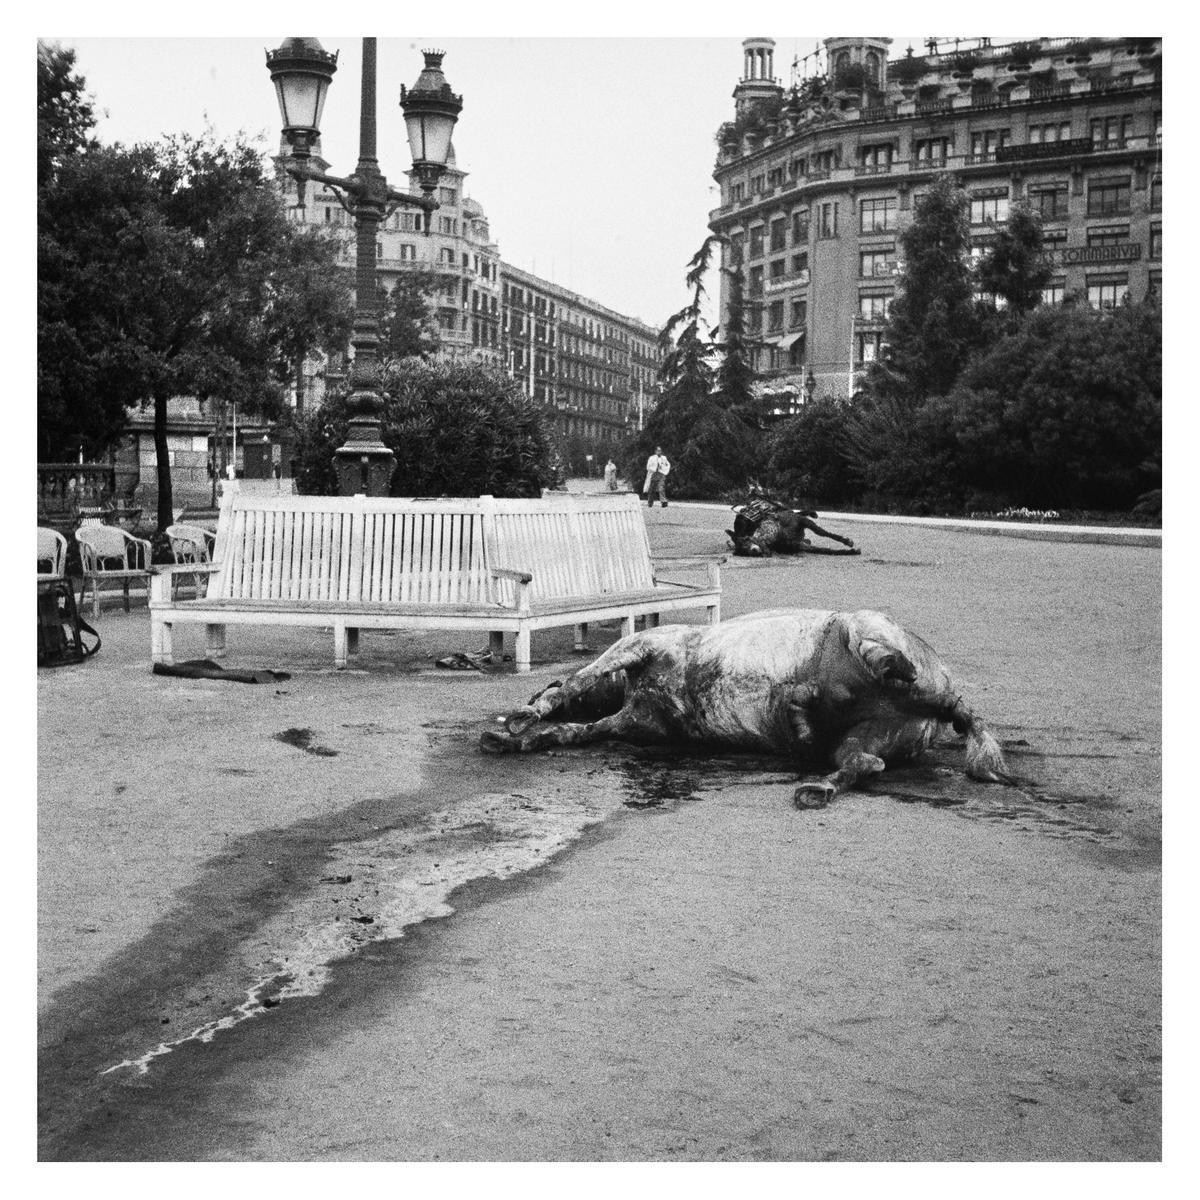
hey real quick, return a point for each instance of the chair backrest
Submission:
(100, 543)
(573, 545)
(51, 550)
(332, 548)
(190, 543)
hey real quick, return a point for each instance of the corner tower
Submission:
(868, 53)
(758, 80)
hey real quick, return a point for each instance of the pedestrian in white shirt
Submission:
(657, 470)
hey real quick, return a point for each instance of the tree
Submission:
(1066, 411)
(933, 324)
(407, 328)
(65, 115)
(1014, 266)
(456, 428)
(806, 455)
(173, 270)
(701, 419)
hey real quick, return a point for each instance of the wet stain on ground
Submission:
(302, 739)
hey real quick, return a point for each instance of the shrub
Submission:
(457, 429)
(806, 455)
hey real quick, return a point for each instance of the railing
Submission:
(926, 107)
(1034, 150)
(874, 169)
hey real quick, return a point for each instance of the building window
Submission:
(1054, 291)
(447, 225)
(800, 227)
(408, 252)
(800, 264)
(1156, 241)
(1107, 293)
(1114, 235)
(877, 216)
(448, 195)
(829, 160)
(1111, 133)
(989, 207)
(1049, 202)
(1156, 194)
(756, 184)
(737, 245)
(779, 233)
(930, 152)
(985, 142)
(446, 256)
(871, 63)
(798, 167)
(1108, 197)
(775, 316)
(799, 313)
(874, 308)
(1055, 131)
(878, 158)
(829, 220)
(756, 281)
(775, 177)
(875, 264)
(778, 268)
(1158, 129)
(756, 242)
(737, 192)
(868, 346)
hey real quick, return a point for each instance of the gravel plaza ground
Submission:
(611, 954)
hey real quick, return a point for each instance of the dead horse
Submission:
(851, 691)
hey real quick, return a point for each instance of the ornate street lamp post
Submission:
(301, 71)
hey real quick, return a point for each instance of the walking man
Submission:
(657, 470)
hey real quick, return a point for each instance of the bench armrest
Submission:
(717, 559)
(185, 568)
(507, 573)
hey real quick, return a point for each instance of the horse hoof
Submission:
(816, 794)
(518, 722)
(493, 742)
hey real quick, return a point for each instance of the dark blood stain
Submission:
(302, 740)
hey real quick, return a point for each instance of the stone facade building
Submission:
(818, 181)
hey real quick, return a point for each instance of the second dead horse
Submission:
(763, 527)
(847, 692)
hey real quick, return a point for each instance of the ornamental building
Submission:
(595, 368)
(818, 181)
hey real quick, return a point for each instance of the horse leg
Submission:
(630, 653)
(854, 760)
(564, 733)
(808, 523)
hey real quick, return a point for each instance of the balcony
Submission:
(874, 169)
(1036, 150)
(928, 108)
(928, 164)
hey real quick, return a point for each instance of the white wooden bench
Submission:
(502, 566)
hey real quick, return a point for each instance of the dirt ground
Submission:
(312, 922)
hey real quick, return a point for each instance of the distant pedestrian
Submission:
(610, 475)
(657, 470)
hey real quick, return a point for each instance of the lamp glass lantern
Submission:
(301, 70)
(430, 113)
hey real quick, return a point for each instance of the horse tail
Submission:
(985, 759)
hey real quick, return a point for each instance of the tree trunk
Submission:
(163, 462)
(299, 386)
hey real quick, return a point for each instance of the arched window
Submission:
(872, 65)
(841, 62)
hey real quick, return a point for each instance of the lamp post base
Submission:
(364, 467)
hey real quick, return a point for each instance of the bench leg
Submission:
(126, 582)
(627, 626)
(339, 644)
(714, 613)
(214, 641)
(352, 641)
(522, 655)
(161, 642)
(496, 645)
(581, 637)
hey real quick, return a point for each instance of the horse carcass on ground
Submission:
(847, 693)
